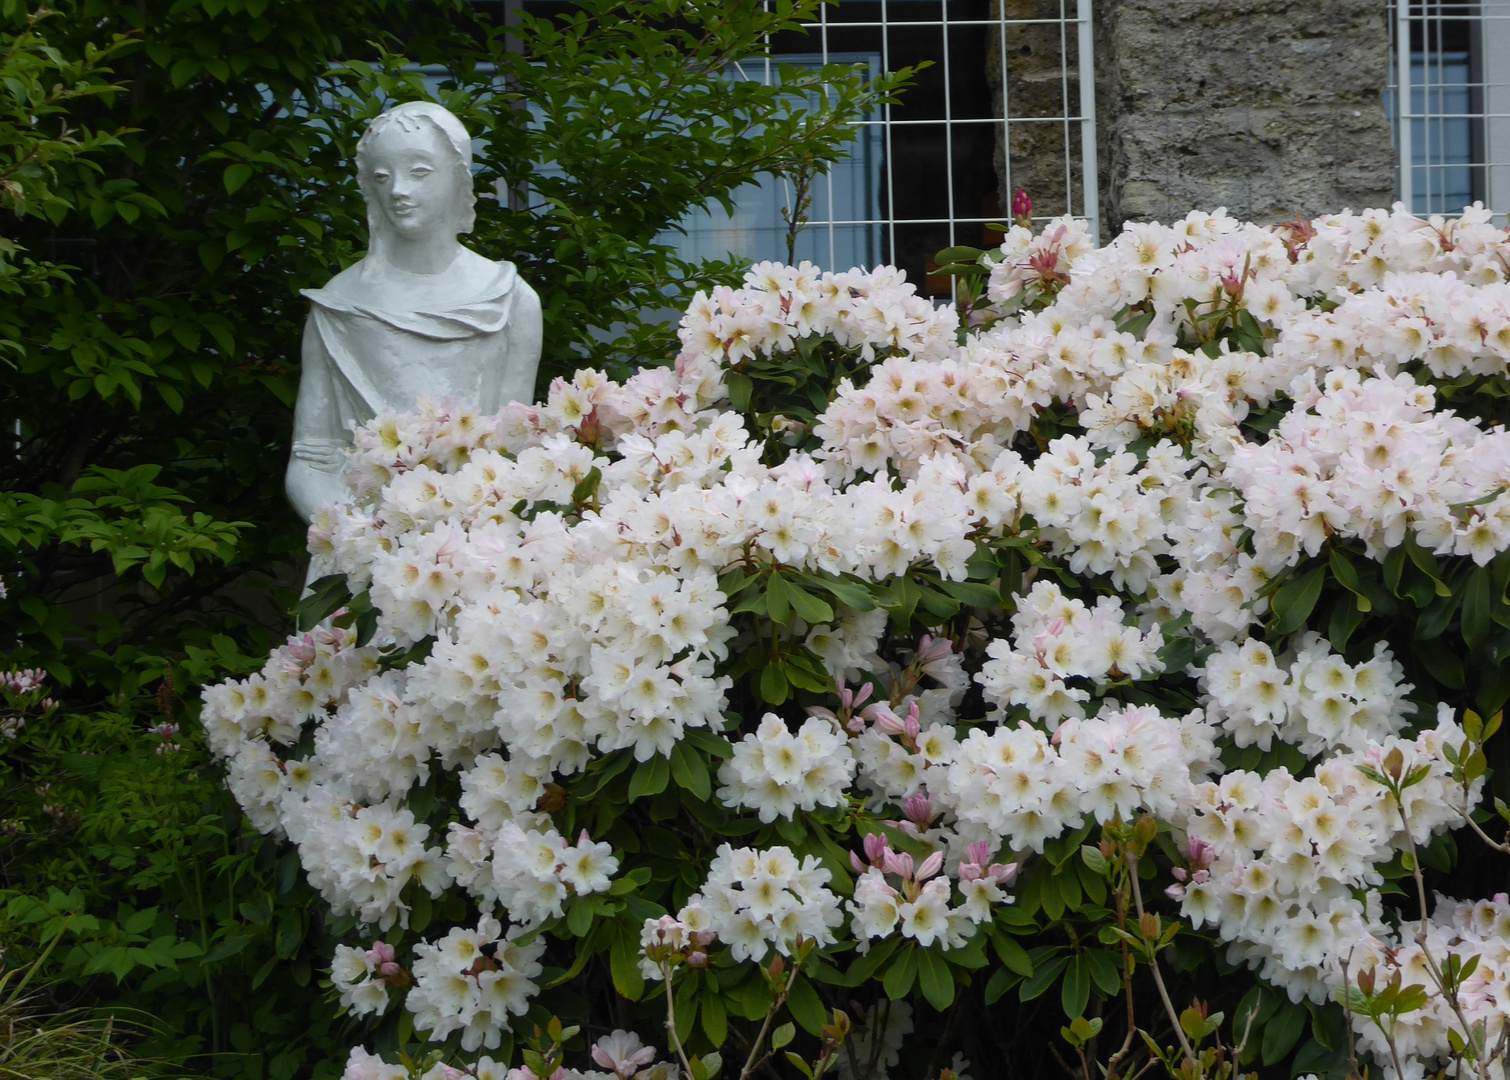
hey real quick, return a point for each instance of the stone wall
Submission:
(1271, 108)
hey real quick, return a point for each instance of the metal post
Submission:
(1090, 172)
(1006, 114)
(517, 196)
(1402, 100)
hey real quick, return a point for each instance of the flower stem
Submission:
(1153, 966)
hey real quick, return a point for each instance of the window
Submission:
(1454, 125)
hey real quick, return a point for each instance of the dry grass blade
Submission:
(37, 1043)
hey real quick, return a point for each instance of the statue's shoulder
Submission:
(347, 286)
(479, 275)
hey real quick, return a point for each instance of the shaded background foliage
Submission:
(171, 174)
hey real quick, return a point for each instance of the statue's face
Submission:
(412, 179)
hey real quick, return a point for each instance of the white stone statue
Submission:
(421, 315)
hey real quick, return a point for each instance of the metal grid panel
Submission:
(1075, 117)
(955, 144)
(1452, 129)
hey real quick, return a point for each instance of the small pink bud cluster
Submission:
(668, 940)
(909, 727)
(23, 687)
(853, 713)
(878, 852)
(385, 968)
(979, 867)
(934, 657)
(23, 680)
(920, 811)
(1200, 856)
(166, 731)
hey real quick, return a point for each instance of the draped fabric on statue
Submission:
(360, 360)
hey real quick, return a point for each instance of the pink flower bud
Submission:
(979, 852)
(697, 959)
(931, 865)
(899, 863)
(918, 808)
(390, 970)
(1178, 873)
(864, 694)
(1022, 206)
(703, 938)
(1175, 892)
(876, 847)
(932, 652)
(302, 648)
(1201, 854)
(969, 871)
(1002, 873)
(888, 721)
(854, 860)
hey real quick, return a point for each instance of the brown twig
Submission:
(676, 1042)
(751, 1064)
(1153, 966)
(1432, 967)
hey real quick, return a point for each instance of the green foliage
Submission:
(37, 137)
(132, 874)
(38, 1041)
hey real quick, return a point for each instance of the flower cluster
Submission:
(1465, 929)
(360, 858)
(1371, 459)
(776, 772)
(362, 977)
(752, 901)
(1316, 699)
(531, 872)
(1017, 784)
(919, 905)
(1057, 640)
(620, 1055)
(1025, 530)
(870, 312)
(1284, 858)
(471, 981)
(22, 690)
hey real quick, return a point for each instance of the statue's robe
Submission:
(471, 333)
(360, 359)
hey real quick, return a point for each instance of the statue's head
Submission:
(414, 167)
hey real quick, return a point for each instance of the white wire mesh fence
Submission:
(1008, 100)
(1452, 129)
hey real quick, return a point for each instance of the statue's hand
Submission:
(311, 486)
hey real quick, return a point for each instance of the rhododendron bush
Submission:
(1121, 648)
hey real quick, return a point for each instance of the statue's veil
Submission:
(409, 116)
